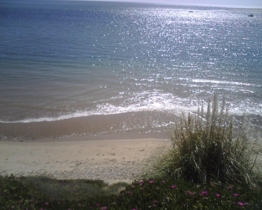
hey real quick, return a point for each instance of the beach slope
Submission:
(77, 158)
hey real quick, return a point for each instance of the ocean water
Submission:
(94, 68)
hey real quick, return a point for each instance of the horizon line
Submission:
(142, 2)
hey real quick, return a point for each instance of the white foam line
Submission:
(224, 82)
(140, 102)
(111, 110)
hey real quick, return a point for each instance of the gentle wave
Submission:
(139, 102)
(224, 82)
(165, 103)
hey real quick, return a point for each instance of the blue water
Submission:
(69, 60)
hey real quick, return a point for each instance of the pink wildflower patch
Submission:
(173, 186)
(230, 187)
(204, 193)
(235, 194)
(240, 203)
(152, 181)
(218, 195)
(190, 192)
(141, 182)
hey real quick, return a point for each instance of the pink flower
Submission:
(141, 182)
(230, 187)
(204, 193)
(152, 181)
(134, 208)
(235, 194)
(218, 195)
(240, 203)
(190, 192)
(104, 208)
(173, 186)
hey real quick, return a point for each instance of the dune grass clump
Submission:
(207, 149)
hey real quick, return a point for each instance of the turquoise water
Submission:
(95, 61)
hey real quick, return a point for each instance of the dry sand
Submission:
(77, 158)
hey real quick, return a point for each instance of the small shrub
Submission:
(206, 149)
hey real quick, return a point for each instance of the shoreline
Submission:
(135, 125)
(78, 158)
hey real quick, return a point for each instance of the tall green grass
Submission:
(207, 149)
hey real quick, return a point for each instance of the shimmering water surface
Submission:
(122, 67)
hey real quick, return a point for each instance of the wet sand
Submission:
(125, 124)
(78, 158)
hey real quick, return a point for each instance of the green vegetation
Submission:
(210, 166)
(206, 149)
(23, 193)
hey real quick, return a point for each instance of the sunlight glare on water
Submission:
(67, 60)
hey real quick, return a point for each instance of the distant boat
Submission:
(251, 15)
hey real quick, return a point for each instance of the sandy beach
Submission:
(78, 158)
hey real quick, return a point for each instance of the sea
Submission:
(83, 68)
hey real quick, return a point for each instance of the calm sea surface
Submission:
(86, 68)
